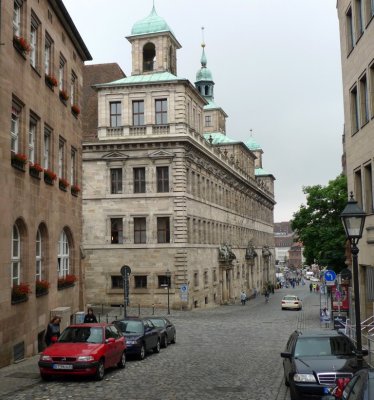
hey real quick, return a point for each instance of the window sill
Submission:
(48, 180)
(62, 187)
(40, 294)
(19, 300)
(366, 122)
(35, 69)
(49, 84)
(20, 165)
(19, 49)
(34, 173)
(65, 286)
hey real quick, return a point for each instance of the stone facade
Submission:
(357, 53)
(161, 198)
(38, 130)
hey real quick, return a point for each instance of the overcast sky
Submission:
(276, 68)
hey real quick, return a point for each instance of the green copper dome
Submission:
(203, 74)
(151, 24)
(217, 138)
(252, 144)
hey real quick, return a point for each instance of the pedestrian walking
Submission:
(311, 287)
(53, 331)
(243, 298)
(325, 317)
(90, 317)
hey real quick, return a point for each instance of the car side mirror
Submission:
(286, 354)
(110, 340)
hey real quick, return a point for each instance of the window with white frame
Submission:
(38, 256)
(138, 112)
(161, 109)
(61, 158)
(16, 256)
(73, 166)
(355, 107)
(14, 128)
(17, 17)
(73, 89)
(34, 40)
(46, 146)
(208, 120)
(364, 101)
(115, 114)
(48, 55)
(32, 138)
(61, 73)
(350, 30)
(63, 266)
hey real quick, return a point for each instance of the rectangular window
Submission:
(358, 187)
(139, 180)
(206, 280)
(163, 230)
(364, 101)
(208, 120)
(62, 73)
(140, 230)
(355, 115)
(116, 180)
(162, 179)
(161, 112)
(359, 17)
(115, 114)
(46, 147)
(14, 128)
(73, 89)
(164, 281)
(73, 166)
(214, 275)
(116, 230)
(32, 138)
(48, 45)
(196, 279)
(117, 282)
(368, 189)
(371, 93)
(34, 40)
(140, 281)
(38, 257)
(61, 158)
(350, 30)
(17, 11)
(138, 113)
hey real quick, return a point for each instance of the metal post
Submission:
(124, 297)
(168, 297)
(356, 286)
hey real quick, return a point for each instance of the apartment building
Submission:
(41, 62)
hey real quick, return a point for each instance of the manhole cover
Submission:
(25, 375)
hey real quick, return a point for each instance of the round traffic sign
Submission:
(330, 276)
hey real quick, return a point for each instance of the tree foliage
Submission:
(318, 225)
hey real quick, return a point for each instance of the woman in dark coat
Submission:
(90, 317)
(53, 330)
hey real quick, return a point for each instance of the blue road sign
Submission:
(330, 276)
(184, 288)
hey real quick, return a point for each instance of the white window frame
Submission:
(61, 155)
(46, 147)
(38, 256)
(34, 41)
(73, 161)
(17, 18)
(73, 89)
(63, 257)
(15, 256)
(47, 55)
(32, 138)
(61, 73)
(14, 130)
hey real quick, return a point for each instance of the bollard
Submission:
(107, 318)
(153, 309)
(99, 316)
(102, 308)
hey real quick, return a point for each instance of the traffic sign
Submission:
(125, 271)
(330, 276)
(184, 288)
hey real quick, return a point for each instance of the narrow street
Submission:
(231, 352)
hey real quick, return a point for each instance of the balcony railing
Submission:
(138, 130)
(117, 131)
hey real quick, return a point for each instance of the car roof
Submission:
(316, 333)
(90, 325)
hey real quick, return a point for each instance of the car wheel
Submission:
(100, 371)
(165, 342)
(174, 338)
(122, 361)
(46, 377)
(142, 353)
(157, 348)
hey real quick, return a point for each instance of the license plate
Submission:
(62, 366)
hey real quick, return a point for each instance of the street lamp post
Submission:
(168, 276)
(353, 219)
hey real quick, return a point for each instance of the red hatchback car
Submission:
(84, 349)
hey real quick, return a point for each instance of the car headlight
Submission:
(85, 358)
(45, 358)
(304, 378)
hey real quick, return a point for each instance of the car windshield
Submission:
(81, 335)
(323, 346)
(289, 298)
(131, 326)
(160, 323)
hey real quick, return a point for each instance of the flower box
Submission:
(41, 288)
(75, 189)
(18, 161)
(75, 110)
(21, 44)
(66, 281)
(35, 169)
(20, 293)
(49, 176)
(63, 184)
(51, 81)
(63, 96)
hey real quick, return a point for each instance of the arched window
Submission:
(38, 256)
(149, 57)
(63, 255)
(16, 256)
(206, 90)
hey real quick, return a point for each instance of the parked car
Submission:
(360, 387)
(167, 330)
(291, 301)
(313, 361)
(141, 336)
(84, 349)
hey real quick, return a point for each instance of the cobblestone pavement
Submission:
(229, 352)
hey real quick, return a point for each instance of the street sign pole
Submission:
(125, 272)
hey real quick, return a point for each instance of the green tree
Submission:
(318, 225)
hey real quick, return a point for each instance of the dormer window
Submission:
(149, 57)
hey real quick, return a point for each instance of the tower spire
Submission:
(203, 59)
